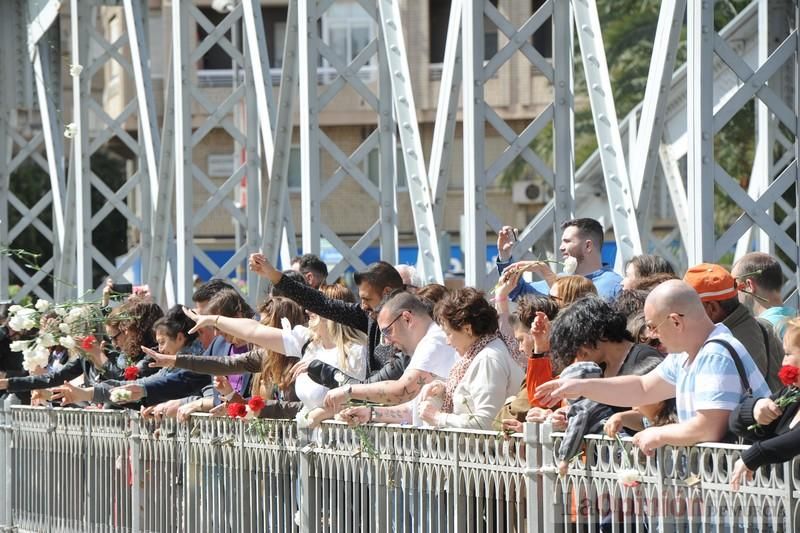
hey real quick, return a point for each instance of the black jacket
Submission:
(383, 363)
(773, 443)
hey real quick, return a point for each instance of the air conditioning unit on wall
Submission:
(528, 192)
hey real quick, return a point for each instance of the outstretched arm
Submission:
(348, 314)
(242, 328)
(623, 391)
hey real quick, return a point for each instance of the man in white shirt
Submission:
(404, 322)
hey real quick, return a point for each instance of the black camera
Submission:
(122, 288)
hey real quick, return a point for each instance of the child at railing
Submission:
(771, 422)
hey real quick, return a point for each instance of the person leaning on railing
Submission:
(374, 284)
(700, 372)
(337, 345)
(774, 429)
(485, 374)
(272, 376)
(406, 324)
(129, 326)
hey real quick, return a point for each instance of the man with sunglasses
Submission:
(404, 322)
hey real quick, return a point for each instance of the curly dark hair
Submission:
(467, 306)
(528, 306)
(175, 321)
(585, 323)
(136, 316)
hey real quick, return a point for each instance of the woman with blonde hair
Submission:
(340, 346)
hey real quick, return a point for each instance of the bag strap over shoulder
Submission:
(737, 361)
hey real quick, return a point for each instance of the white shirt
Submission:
(433, 354)
(309, 391)
(492, 377)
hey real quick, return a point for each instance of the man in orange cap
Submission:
(718, 292)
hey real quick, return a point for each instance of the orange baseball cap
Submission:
(712, 282)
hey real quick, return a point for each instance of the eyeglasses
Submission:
(385, 332)
(650, 330)
(114, 337)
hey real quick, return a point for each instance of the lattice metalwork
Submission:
(31, 126)
(776, 185)
(638, 169)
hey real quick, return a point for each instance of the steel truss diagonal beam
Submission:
(477, 111)
(604, 116)
(644, 153)
(705, 174)
(413, 157)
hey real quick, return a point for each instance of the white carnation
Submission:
(13, 309)
(120, 396)
(70, 130)
(20, 346)
(570, 265)
(67, 342)
(47, 340)
(37, 357)
(64, 328)
(629, 477)
(42, 305)
(60, 311)
(75, 70)
(23, 320)
(302, 418)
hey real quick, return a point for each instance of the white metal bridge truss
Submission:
(666, 142)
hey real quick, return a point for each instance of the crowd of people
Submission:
(709, 357)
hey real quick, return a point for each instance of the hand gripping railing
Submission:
(81, 470)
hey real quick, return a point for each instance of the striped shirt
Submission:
(711, 380)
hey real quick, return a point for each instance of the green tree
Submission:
(29, 183)
(629, 28)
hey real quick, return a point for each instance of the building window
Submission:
(216, 58)
(439, 19)
(347, 28)
(274, 19)
(294, 182)
(373, 168)
(542, 38)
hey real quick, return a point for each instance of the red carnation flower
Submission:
(788, 375)
(131, 373)
(237, 410)
(88, 342)
(256, 404)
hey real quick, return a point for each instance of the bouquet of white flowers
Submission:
(71, 326)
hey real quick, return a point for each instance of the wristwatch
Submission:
(539, 355)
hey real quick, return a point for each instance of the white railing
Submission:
(79, 470)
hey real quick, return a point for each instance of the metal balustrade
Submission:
(82, 470)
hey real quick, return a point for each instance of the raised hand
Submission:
(201, 321)
(160, 360)
(70, 394)
(505, 242)
(259, 264)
